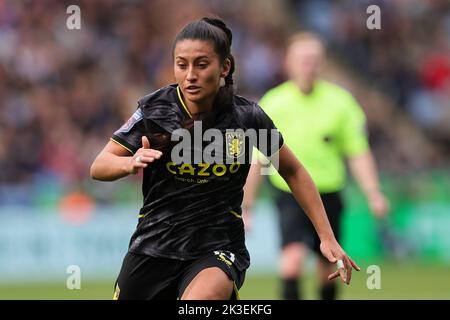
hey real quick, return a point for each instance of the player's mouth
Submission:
(193, 89)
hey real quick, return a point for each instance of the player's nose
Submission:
(191, 75)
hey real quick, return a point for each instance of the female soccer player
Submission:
(189, 241)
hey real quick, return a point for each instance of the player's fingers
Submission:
(334, 275)
(348, 267)
(151, 153)
(146, 159)
(354, 265)
(140, 165)
(343, 274)
(154, 150)
(329, 255)
(145, 142)
(157, 151)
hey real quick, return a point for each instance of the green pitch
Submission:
(398, 281)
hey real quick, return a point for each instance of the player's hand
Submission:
(143, 157)
(378, 204)
(335, 254)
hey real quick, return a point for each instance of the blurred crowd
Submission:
(64, 92)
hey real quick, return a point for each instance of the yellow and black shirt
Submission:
(192, 208)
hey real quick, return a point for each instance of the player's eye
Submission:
(181, 65)
(202, 65)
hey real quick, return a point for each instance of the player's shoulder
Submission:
(161, 105)
(164, 95)
(245, 110)
(244, 104)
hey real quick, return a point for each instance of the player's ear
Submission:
(226, 66)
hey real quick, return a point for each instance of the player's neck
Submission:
(197, 107)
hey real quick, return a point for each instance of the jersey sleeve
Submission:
(353, 132)
(130, 133)
(269, 140)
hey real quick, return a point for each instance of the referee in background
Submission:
(324, 126)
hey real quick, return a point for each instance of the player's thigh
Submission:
(218, 275)
(209, 284)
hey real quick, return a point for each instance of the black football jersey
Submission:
(193, 193)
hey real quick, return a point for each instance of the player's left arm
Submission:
(307, 196)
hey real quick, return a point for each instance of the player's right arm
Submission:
(115, 162)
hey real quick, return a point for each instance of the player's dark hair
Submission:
(216, 31)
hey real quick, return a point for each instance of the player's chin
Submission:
(195, 96)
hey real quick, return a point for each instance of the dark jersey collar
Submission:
(180, 102)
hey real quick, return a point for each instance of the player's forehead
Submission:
(191, 49)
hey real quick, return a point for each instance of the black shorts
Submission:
(144, 277)
(295, 224)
